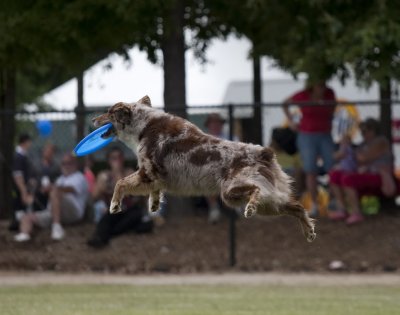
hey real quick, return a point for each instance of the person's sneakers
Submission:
(338, 215)
(355, 218)
(57, 232)
(22, 237)
(214, 215)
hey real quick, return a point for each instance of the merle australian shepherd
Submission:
(176, 157)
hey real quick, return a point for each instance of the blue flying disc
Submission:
(93, 141)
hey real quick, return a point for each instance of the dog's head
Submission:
(120, 115)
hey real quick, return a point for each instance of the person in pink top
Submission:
(317, 104)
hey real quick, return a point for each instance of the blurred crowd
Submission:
(51, 193)
(358, 176)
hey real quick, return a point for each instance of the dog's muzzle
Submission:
(109, 133)
(101, 121)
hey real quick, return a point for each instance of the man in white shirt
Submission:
(67, 203)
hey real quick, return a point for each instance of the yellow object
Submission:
(322, 200)
(345, 121)
(288, 161)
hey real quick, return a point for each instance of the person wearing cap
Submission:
(21, 175)
(215, 126)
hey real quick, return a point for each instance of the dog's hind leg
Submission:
(154, 201)
(295, 209)
(243, 194)
(135, 184)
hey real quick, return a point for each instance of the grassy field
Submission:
(198, 299)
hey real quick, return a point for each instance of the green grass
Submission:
(198, 299)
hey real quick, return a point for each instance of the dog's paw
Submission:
(311, 235)
(250, 210)
(115, 207)
(154, 204)
(154, 207)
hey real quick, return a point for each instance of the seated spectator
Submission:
(134, 216)
(345, 155)
(374, 174)
(66, 206)
(21, 174)
(46, 173)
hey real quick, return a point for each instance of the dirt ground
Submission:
(190, 244)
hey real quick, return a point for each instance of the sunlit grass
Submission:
(198, 299)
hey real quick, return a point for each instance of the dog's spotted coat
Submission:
(176, 157)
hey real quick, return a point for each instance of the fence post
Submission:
(232, 213)
(7, 132)
(80, 108)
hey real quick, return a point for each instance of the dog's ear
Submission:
(122, 113)
(145, 100)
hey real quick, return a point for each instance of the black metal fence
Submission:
(60, 127)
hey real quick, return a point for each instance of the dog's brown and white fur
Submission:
(176, 157)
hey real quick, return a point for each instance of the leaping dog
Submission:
(176, 157)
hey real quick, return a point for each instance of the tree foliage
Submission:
(325, 38)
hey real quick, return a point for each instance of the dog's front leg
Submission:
(133, 184)
(155, 198)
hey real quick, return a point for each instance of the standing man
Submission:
(215, 126)
(21, 174)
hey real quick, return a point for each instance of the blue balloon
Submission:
(44, 127)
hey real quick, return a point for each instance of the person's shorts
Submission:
(70, 212)
(313, 146)
(363, 183)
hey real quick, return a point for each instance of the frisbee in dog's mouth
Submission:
(111, 132)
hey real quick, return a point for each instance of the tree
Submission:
(373, 50)
(332, 38)
(162, 26)
(43, 39)
(56, 40)
(242, 18)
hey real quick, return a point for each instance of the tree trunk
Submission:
(385, 92)
(80, 110)
(257, 100)
(7, 133)
(173, 49)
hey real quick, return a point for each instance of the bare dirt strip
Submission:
(286, 279)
